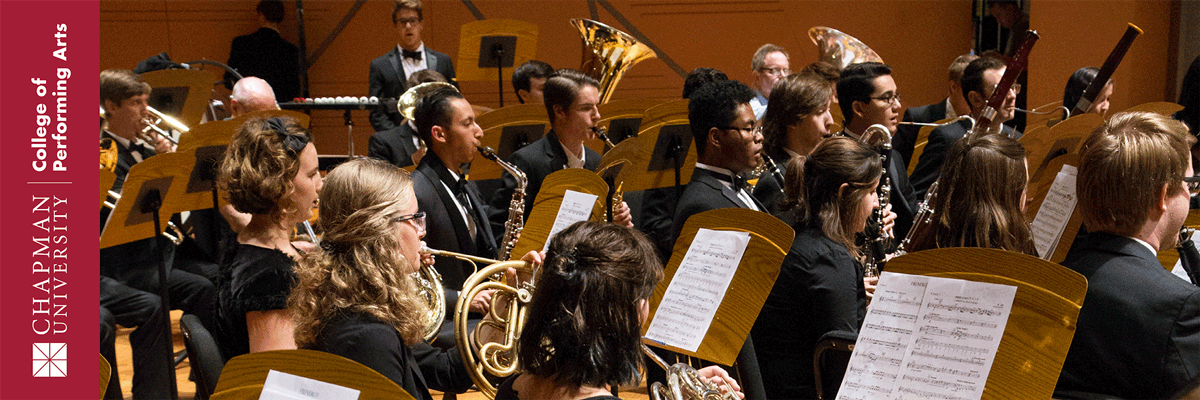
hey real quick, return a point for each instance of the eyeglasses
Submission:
(754, 130)
(418, 219)
(1193, 184)
(893, 98)
(406, 21)
(1015, 88)
(781, 72)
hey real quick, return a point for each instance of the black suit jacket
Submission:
(536, 160)
(906, 135)
(1138, 334)
(445, 228)
(768, 190)
(929, 166)
(393, 145)
(705, 191)
(819, 289)
(266, 55)
(387, 80)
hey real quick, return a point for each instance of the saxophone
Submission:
(516, 208)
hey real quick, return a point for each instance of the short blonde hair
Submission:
(360, 266)
(1123, 166)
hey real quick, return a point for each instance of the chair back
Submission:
(105, 374)
(830, 359)
(251, 370)
(203, 355)
(1041, 325)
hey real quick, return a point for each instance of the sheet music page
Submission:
(285, 386)
(575, 207)
(885, 333)
(949, 344)
(1056, 210)
(1178, 269)
(691, 300)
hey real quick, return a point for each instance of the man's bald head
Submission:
(251, 94)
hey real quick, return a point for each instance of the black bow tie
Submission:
(416, 55)
(738, 181)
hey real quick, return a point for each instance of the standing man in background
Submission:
(390, 71)
(267, 55)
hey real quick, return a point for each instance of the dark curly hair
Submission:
(260, 164)
(584, 325)
(715, 105)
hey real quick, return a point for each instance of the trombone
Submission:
(153, 127)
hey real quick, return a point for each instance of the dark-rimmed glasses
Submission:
(417, 218)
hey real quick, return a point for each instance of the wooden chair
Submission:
(250, 370)
(105, 374)
(1041, 325)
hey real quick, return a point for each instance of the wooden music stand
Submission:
(770, 240)
(471, 35)
(1063, 138)
(622, 119)
(1042, 323)
(127, 223)
(1162, 107)
(506, 130)
(250, 370)
(650, 165)
(919, 144)
(107, 179)
(193, 86)
(220, 133)
(838, 118)
(541, 219)
(1036, 192)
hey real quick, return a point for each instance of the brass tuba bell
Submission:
(839, 49)
(608, 53)
(407, 103)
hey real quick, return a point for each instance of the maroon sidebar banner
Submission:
(48, 190)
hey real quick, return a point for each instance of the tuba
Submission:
(839, 49)
(608, 53)
(429, 281)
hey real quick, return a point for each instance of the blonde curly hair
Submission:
(359, 267)
(260, 164)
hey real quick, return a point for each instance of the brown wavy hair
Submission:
(359, 267)
(793, 98)
(812, 182)
(260, 165)
(584, 326)
(979, 198)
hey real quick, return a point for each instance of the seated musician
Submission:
(400, 145)
(978, 81)
(770, 64)
(797, 118)
(356, 296)
(1078, 82)
(952, 106)
(1138, 333)
(820, 287)
(452, 205)
(270, 172)
(529, 79)
(981, 198)
(572, 99)
(583, 332)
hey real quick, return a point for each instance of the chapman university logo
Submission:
(49, 360)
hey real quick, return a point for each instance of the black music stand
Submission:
(671, 149)
(498, 52)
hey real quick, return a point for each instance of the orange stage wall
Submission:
(918, 39)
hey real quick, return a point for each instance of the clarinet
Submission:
(880, 138)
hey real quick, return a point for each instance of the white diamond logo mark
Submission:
(49, 360)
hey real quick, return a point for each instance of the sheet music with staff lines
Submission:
(1055, 212)
(691, 300)
(928, 338)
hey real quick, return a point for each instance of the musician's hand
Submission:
(869, 283)
(162, 145)
(304, 246)
(534, 257)
(622, 216)
(889, 220)
(482, 302)
(719, 377)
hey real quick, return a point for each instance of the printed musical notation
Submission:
(939, 336)
(1054, 212)
(575, 207)
(697, 288)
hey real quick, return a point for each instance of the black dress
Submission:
(379, 346)
(252, 279)
(819, 289)
(506, 392)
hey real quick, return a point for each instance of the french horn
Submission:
(683, 383)
(608, 53)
